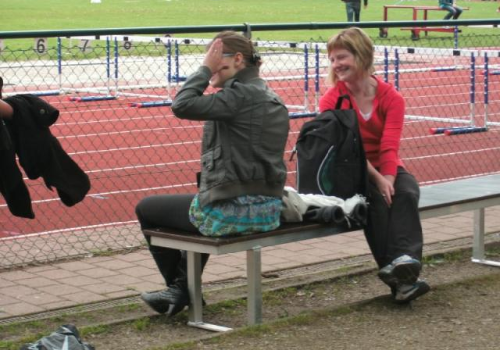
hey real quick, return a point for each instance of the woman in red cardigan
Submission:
(394, 231)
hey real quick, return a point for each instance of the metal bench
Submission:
(441, 199)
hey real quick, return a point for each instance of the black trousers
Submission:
(396, 230)
(170, 211)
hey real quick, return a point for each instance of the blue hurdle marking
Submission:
(436, 131)
(465, 130)
(302, 115)
(178, 78)
(91, 98)
(46, 93)
(444, 69)
(153, 104)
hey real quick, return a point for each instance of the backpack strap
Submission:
(341, 98)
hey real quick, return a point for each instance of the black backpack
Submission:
(330, 156)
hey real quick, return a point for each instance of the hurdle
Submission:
(486, 88)
(58, 91)
(166, 101)
(469, 120)
(486, 74)
(444, 69)
(299, 115)
(176, 78)
(386, 65)
(466, 130)
(108, 96)
(396, 69)
(306, 78)
(316, 79)
(472, 128)
(151, 104)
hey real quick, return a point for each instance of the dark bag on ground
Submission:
(66, 337)
(330, 156)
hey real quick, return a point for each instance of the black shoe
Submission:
(170, 301)
(1, 87)
(408, 292)
(403, 270)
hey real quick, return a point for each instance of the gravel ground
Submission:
(352, 310)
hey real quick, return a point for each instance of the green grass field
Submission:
(81, 14)
(36, 15)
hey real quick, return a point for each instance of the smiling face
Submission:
(343, 65)
(351, 55)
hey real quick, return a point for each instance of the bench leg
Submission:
(254, 299)
(195, 295)
(478, 253)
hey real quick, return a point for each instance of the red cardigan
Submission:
(382, 132)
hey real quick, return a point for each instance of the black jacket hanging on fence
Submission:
(40, 155)
(12, 186)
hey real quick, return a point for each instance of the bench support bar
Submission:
(195, 296)
(478, 252)
(254, 300)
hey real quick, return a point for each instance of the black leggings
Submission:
(396, 230)
(170, 211)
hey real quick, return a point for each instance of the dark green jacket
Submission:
(244, 135)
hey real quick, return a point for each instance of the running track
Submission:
(131, 153)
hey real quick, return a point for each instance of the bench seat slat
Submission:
(459, 192)
(287, 233)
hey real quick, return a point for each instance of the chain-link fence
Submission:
(114, 92)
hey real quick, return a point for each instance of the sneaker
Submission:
(403, 270)
(408, 292)
(170, 301)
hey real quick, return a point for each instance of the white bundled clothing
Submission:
(298, 207)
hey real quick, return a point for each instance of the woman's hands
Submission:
(384, 183)
(213, 57)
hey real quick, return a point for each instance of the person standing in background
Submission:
(353, 9)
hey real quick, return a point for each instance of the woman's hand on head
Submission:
(213, 57)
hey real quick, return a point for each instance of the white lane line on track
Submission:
(457, 178)
(135, 167)
(142, 166)
(130, 131)
(453, 153)
(96, 111)
(136, 148)
(421, 137)
(80, 228)
(104, 121)
(104, 194)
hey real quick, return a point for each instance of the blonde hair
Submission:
(358, 43)
(235, 42)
